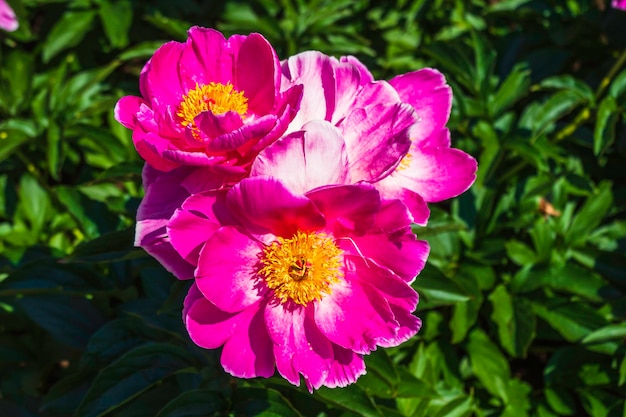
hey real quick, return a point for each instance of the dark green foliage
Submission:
(523, 300)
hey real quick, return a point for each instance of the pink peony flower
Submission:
(307, 284)
(619, 4)
(395, 135)
(210, 102)
(8, 20)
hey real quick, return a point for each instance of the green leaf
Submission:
(590, 215)
(252, 402)
(557, 106)
(567, 82)
(560, 400)
(109, 247)
(34, 201)
(573, 320)
(437, 289)
(195, 403)
(607, 333)
(520, 253)
(515, 321)
(352, 398)
(604, 131)
(488, 363)
(67, 32)
(10, 141)
(55, 149)
(130, 376)
(116, 17)
(512, 89)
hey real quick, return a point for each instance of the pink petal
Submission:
(212, 126)
(348, 84)
(188, 232)
(264, 204)
(151, 148)
(251, 130)
(346, 367)
(151, 236)
(161, 80)
(256, 73)
(366, 75)
(426, 90)
(314, 71)
(307, 159)
(376, 139)
(437, 173)
(126, 110)
(347, 207)
(355, 316)
(227, 272)
(390, 189)
(299, 346)
(248, 352)
(409, 326)
(206, 58)
(8, 20)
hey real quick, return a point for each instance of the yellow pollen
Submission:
(214, 97)
(405, 162)
(302, 268)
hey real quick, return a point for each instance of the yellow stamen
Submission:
(405, 162)
(303, 267)
(214, 97)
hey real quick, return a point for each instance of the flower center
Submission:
(405, 162)
(303, 267)
(214, 97)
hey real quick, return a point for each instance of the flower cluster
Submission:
(286, 191)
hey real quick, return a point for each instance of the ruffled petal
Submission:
(347, 208)
(264, 204)
(437, 173)
(426, 90)
(355, 317)
(376, 139)
(366, 75)
(409, 326)
(228, 267)
(304, 160)
(161, 81)
(299, 346)
(346, 367)
(126, 110)
(255, 73)
(314, 71)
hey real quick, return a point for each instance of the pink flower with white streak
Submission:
(394, 132)
(210, 102)
(8, 20)
(306, 284)
(619, 4)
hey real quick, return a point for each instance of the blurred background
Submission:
(523, 298)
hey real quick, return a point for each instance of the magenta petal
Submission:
(255, 73)
(264, 204)
(305, 160)
(438, 173)
(355, 317)
(391, 189)
(348, 85)
(208, 326)
(151, 147)
(426, 90)
(345, 369)
(248, 352)
(126, 110)
(366, 75)
(188, 232)
(161, 82)
(8, 20)
(151, 236)
(376, 139)
(251, 130)
(299, 346)
(347, 207)
(409, 326)
(212, 126)
(205, 59)
(227, 272)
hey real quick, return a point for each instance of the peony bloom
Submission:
(394, 132)
(619, 4)
(306, 284)
(210, 101)
(8, 20)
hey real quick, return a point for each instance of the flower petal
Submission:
(304, 160)
(264, 204)
(256, 73)
(426, 90)
(437, 173)
(354, 316)
(376, 139)
(126, 110)
(227, 272)
(206, 58)
(346, 367)
(347, 207)
(299, 346)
